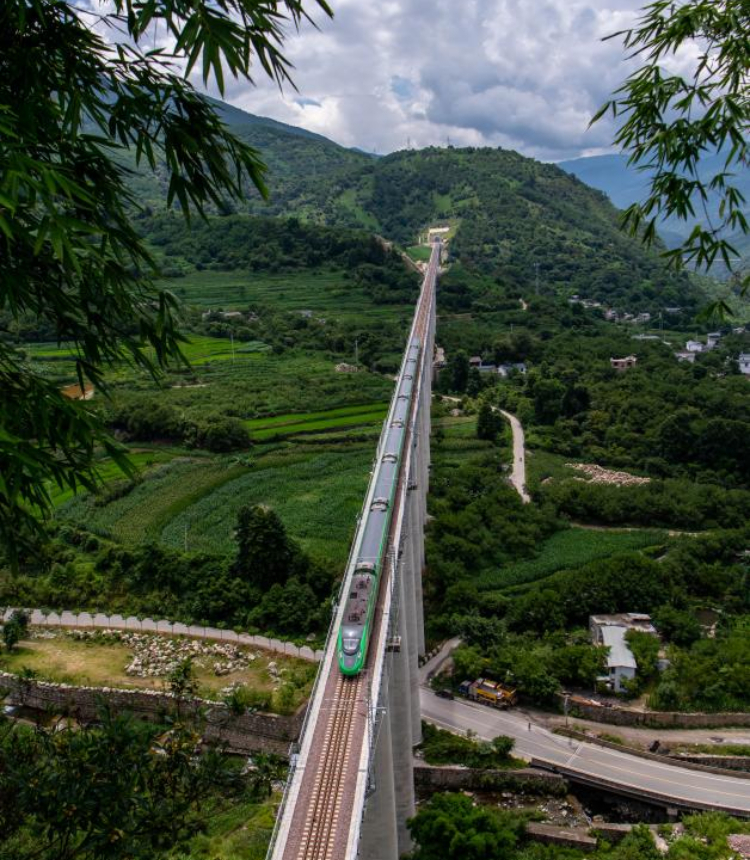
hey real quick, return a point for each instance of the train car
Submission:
(354, 633)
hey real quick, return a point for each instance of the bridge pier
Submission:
(409, 574)
(399, 704)
(380, 837)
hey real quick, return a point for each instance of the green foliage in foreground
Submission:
(441, 747)
(114, 791)
(70, 255)
(453, 827)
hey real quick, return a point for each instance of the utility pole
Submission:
(356, 352)
(536, 278)
(231, 338)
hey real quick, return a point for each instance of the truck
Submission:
(491, 693)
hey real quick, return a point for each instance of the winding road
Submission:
(643, 778)
(518, 474)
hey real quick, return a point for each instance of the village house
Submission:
(712, 339)
(475, 361)
(505, 370)
(684, 355)
(621, 364)
(744, 363)
(610, 631)
(694, 346)
(439, 361)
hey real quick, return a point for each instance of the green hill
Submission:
(515, 214)
(516, 217)
(624, 184)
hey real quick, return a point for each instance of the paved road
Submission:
(638, 775)
(518, 475)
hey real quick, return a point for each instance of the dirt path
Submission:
(518, 475)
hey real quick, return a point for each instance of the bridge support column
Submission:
(416, 533)
(409, 608)
(380, 837)
(400, 706)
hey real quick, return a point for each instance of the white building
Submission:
(744, 362)
(609, 631)
(694, 346)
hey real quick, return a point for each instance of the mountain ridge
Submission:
(517, 219)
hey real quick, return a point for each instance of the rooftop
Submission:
(619, 653)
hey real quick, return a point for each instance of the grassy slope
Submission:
(570, 549)
(65, 660)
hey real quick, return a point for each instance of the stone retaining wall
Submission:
(613, 715)
(100, 621)
(730, 762)
(241, 733)
(434, 778)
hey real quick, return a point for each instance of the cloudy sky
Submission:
(521, 74)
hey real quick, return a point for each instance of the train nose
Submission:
(349, 661)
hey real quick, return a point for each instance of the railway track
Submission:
(319, 830)
(321, 817)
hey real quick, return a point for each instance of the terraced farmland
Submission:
(193, 501)
(329, 292)
(310, 422)
(570, 549)
(317, 494)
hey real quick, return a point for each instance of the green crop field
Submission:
(569, 549)
(108, 471)
(317, 494)
(419, 252)
(327, 292)
(193, 501)
(165, 491)
(310, 422)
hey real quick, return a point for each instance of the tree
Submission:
(450, 827)
(15, 628)
(458, 372)
(107, 792)
(264, 552)
(182, 682)
(671, 121)
(75, 108)
(489, 423)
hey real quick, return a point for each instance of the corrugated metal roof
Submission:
(619, 653)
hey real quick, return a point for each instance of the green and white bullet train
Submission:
(359, 612)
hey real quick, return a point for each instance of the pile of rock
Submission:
(599, 475)
(155, 656)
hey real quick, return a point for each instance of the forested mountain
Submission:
(516, 214)
(525, 224)
(304, 169)
(624, 185)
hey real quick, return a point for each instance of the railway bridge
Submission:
(351, 785)
(351, 788)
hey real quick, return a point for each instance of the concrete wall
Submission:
(667, 719)
(100, 621)
(242, 734)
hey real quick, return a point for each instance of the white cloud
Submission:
(523, 74)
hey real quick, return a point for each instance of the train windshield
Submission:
(350, 646)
